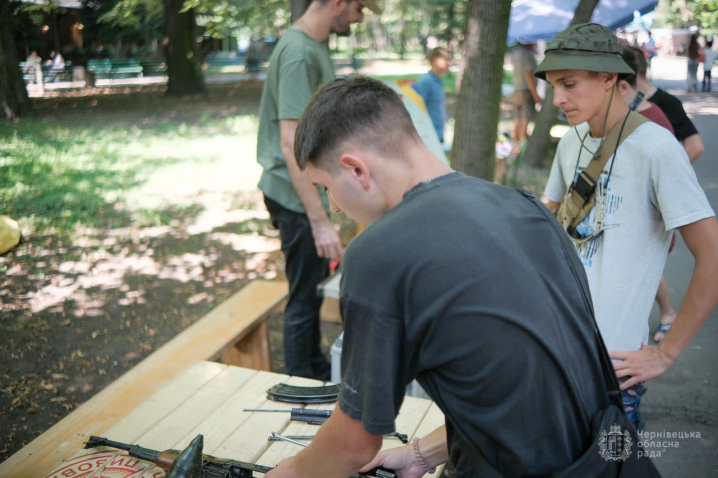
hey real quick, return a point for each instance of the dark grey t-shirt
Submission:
(466, 286)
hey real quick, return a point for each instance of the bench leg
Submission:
(252, 351)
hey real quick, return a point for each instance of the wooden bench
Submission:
(236, 331)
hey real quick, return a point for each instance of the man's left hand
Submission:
(640, 365)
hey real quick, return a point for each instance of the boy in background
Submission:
(431, 89)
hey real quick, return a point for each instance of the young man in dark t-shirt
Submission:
(457, 282)
(683, 127)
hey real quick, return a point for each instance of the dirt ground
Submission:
(75, 314)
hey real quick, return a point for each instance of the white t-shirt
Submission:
(710, 55)
(652, 189)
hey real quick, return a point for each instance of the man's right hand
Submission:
(326, 239)
(400, 459)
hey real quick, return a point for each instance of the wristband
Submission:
(420, 458)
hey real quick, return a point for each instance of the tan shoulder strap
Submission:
(573, 210)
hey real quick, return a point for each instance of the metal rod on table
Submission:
(293, 437)
(280, 437)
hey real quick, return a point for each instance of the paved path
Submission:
(685, 399)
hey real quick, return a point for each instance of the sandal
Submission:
(662, 328)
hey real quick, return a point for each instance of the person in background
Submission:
(634, 98)
(431, 89)
(709, 57)
(693, 54)
(299, 65)
(651, 48)
(525, 95)
(56, 61)
(33, 65)
(683, 127)
(646, 189)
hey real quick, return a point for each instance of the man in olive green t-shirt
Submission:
(299, 64)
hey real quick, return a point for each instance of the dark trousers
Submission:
(305, 270)
(707, 80)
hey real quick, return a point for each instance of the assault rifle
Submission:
(211, 466)
(192, 463)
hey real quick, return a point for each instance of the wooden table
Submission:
(209, 398)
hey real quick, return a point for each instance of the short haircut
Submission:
(630, 58)
(355, 110)
(641, 65)
(439, 52)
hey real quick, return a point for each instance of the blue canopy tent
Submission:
(533, 20)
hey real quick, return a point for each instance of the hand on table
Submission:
(400, 459)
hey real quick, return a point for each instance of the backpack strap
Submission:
(609, 374)
(582, 189)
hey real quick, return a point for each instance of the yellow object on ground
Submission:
(9, 234)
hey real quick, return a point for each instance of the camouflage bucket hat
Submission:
(587, 47)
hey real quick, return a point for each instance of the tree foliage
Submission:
(261, 17)
(689, 13)
(706, 13)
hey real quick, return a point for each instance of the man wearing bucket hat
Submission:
(620, 215)
(299, 64)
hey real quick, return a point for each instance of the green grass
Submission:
(60, 175)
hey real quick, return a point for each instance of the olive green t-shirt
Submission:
(297, 67)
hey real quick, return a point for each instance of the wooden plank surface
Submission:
(172, 430)
(234, 319)
(209, 398)
(147, 415)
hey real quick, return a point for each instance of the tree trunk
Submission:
(298, 8)
(14, 101)
(183, 63)
(478, 104)
(540, 140)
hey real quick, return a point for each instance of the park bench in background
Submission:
(223, 63)
(235, 331)
(106, 68)
(353, 63)
(153, 68)
(49, 73)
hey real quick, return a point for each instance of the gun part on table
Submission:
(210, 466)
(311, 416)
(401, 436)
(283, 392)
